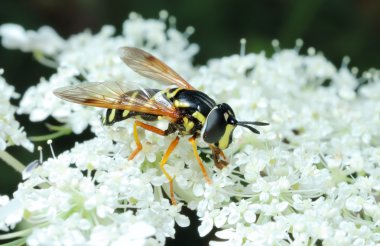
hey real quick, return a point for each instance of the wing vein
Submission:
(151, 67)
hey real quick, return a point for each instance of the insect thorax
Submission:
(194, 106)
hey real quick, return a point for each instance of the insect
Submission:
(189, 111)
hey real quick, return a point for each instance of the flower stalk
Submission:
(11, 161)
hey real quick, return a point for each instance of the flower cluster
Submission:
(311, 177)
(11, 133)
(97, 61)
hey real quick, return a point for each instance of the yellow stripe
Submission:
(187, 124)
(125, 113)
(180, 104)
(225, 140)
(111, 117)
(173, 93)
(134, 94)
(199, 116)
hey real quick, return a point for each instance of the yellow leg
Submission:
(137, 139)
(194, 145)
(170, 149)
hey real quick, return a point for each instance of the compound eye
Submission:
(215, 126)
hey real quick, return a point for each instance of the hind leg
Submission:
(170, 149)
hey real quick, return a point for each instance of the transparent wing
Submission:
(118, 95)
(151, 67)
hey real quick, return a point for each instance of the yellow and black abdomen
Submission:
(115, 115)
(193, 106)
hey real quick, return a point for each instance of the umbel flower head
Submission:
(11, 133)
(311, 177)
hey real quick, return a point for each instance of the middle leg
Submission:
(149, 128)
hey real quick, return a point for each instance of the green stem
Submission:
(16, 234)
(62, 132)
(261, 219)
(11, 161)
(39, 56)
(18, 242)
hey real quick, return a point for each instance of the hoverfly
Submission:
(189, 111)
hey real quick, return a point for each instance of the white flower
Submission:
(95, 58)
(311, 177)
(45, 40)
(11, 133)
(11, 213)
(87, 205)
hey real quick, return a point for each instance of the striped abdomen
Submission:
(114, 115)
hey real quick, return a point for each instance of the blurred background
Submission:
(337, 28)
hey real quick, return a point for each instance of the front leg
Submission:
(216, 154)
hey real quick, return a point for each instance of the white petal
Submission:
(249, 216)
(205, 227)
(198, 189)
(182, 220)
(14, 37)
(220, 220)
(233, 217)
(225, 234)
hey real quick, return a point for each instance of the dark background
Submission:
(337, 28)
